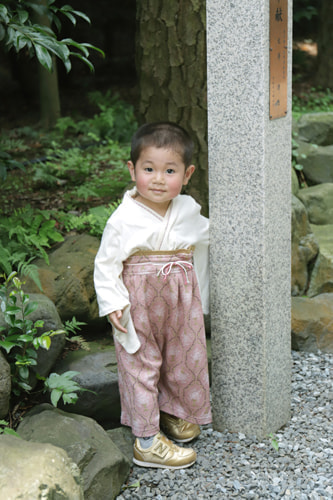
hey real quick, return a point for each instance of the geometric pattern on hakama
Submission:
(169, 372)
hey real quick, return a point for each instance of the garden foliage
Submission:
(20, 340)
(77, 180)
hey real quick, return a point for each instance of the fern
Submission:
(92, 222)
(85, 192)
(24, 236)
(80, 341)
(30, 270)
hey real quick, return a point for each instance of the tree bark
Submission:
(48, 84)
(171, 65)
(324, 76)
(49, 96)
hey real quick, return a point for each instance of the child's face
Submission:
(159, 175)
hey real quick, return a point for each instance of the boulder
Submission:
(5, 386)
(34, 471)
(98, 373)
(316, 128)
(304, 248)
(321, 280)
(311, 323)
(317, 162)
(124, 440)
(68, 279)
(324, 236)
(294, 182)
(103, 466)
(318, 201)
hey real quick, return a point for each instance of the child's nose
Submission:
(159, 177)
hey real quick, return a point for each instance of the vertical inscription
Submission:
(278, 47)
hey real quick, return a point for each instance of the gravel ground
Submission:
(231, 465)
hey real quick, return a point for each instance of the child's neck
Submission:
(160, 208)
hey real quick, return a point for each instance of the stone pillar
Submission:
(250, 184)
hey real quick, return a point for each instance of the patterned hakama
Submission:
(169, 372)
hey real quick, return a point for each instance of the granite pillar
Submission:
(249, 182)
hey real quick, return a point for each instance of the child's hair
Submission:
(162, 135)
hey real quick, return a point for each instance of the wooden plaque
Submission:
(278, 91)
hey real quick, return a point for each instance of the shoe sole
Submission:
(186, 440)
(161, 466)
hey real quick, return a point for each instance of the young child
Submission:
(151, 280)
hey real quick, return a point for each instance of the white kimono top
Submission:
(134, 227)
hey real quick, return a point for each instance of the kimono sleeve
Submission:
(201, 260)
(110, 289)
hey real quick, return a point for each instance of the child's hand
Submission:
(115, 318)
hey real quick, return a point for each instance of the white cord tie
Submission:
(167, 268)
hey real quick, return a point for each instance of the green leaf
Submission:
(23, 15)
(26, 338)
(133, 485)
(93, 47)
(55, 396)
(69, 16)
(24, 372)
(85, 60)
(57, 22)
(69, 398)
(30, 308)
(7, 346)
(274, 441)
(2, 32)
(11, 432)
(4, 13)
(45, 342)
(43, 57)
(24, 386)
(12, 310)
(69, 8)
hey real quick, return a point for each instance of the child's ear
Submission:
(188, 174)
(131, 169)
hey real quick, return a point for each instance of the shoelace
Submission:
(167, 268)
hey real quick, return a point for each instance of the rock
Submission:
(37, 471)
(68, 280)
(316, 128)
(124, 440)
(321, 280)
(294, 182)
(5, 386)
(311, 323)
(103, 466)
(318, 201)
(98, 373)
(317, 163)
(304, 248)
(324, 235)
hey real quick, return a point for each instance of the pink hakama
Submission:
(169, 372)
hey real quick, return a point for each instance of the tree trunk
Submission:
(48, 84)
(171, 65)
(49, 96)
(324, 76)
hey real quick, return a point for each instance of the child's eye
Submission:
(148, 169)
(170, 171)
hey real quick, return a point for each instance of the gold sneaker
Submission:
(163, 454)
(178, 429)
